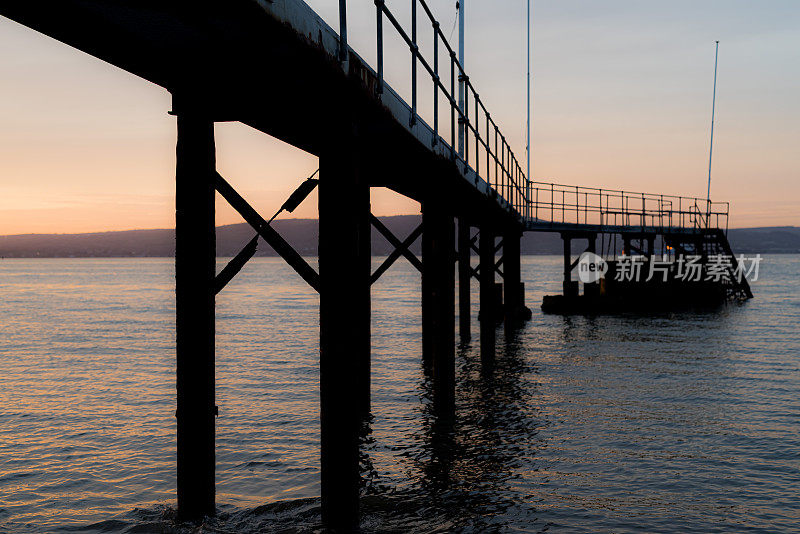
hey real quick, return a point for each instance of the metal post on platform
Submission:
(194, 310)
(438, 301)
(344, 270)
(487, 313)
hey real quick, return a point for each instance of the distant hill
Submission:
(766, 240)
(303, 234)
(300, 233)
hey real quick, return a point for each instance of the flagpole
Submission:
(528, 123)
(461, 88)
(711, 144)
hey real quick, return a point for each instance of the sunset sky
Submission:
(622, 99)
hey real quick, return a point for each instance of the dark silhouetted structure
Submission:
(277, 67)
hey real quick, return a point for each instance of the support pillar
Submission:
(592, 289)
(570, 287)
(438, 301)
(194, 310)
(344, 269)
(464, 278)
(512, 282)
(487, 313)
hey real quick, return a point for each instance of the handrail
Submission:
(562, 204)
(503, 172)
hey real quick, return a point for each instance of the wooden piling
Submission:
(438, 301)
(570, 288)
(344, 270)
(464, 278)
(488, 314)
(194, 295)
(512, 276)
(593, 288)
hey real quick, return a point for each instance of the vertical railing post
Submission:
(501, 189)
(465, 122)
(600, 203)
(414, 53)
(477, 138)
(644, 212)
(488, 151)
(435, 83)
(343, 30)
(505, 167)
(379, 30)
(496, 161)
(452, 106)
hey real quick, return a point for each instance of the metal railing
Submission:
(563, 204)
(486, 149)
(487, 152)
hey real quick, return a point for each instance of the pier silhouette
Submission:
(276, 66)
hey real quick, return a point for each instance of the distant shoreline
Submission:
(303, 234)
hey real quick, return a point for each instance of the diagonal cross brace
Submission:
(235, 265)
(396, 253)
(400, 248)
(578, 259)
(473, 241)
(269, 234)
(474, 271)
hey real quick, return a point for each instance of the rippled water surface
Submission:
(665, 423)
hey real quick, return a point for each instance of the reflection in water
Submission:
(467, 464)
(662, 423)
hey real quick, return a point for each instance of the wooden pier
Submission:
(277, 67)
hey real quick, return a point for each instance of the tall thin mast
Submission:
(711, 145)
(528, 123)
(460, 5)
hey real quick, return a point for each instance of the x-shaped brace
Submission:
(273, 239)
(400, 248)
